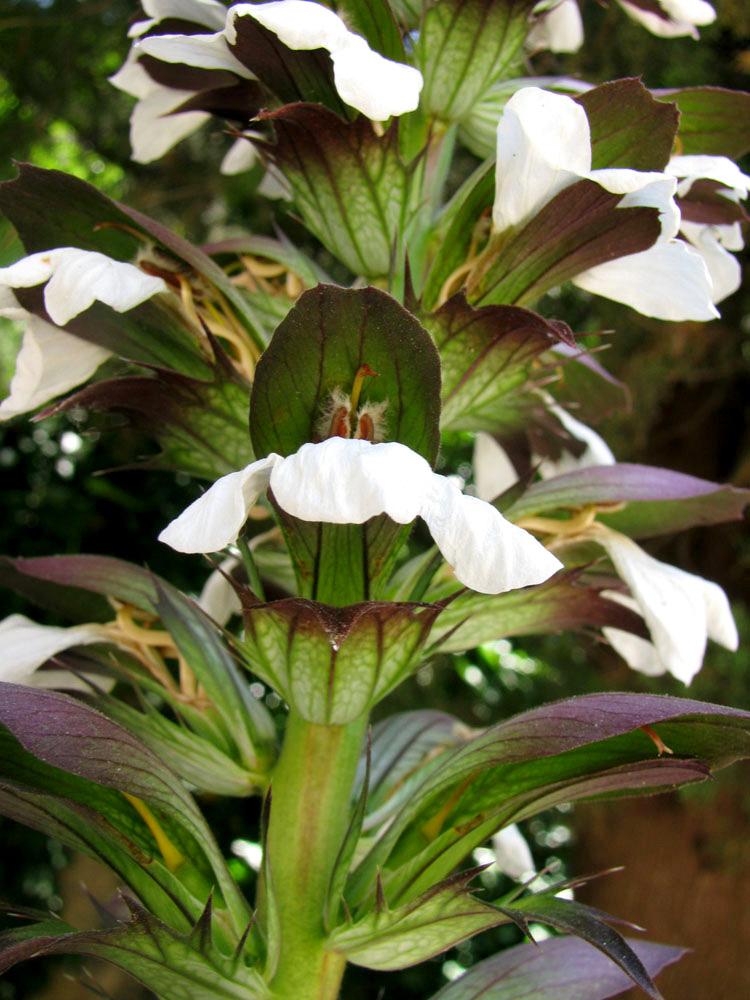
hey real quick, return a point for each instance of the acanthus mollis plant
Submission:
(344, 560)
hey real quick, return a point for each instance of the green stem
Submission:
(310, 808)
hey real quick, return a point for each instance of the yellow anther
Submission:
(172, 856)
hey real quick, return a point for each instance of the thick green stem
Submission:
(310, 807)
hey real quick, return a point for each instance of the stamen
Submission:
(552, 526)
(362, 372)
(661, 746)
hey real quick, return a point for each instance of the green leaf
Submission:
(585, 383)
(388, 939)
(559, 603)
(455, 231)
(464, 47)
(332, 664)
(201, 425)
(375, 21)
(713, 120)
(197, 761)
(337, 331)
(587, 747)
(580, 228)
(248, 723)
(487, 356)
(560, 968)
(175, 966)
(71, 736)
(100, 822)
(629, 127)
(349, 184)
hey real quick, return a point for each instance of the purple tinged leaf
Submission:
(201, 424)
(584, 922)
(561, 968)
(486, 357)
(659, 500)
(629, 127)
(72, 736)
(578, 229)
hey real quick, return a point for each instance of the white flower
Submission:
(348, 481)
(153, 128)
(76, 278)
(512, 854)
(28, 645)
(680, 609)
(49, 363)
(364, 79)
(713, 241)
(678, 17)
(543, 147)
(560, 29)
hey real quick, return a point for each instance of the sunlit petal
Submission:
(668, 281)
(215, 519)
(27, 645)
(543, 146)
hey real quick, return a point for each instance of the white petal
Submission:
(669, 281)
(131, 78)
(543, 146)
(374, 85)
(721, 624)
(715, 168)
(678, 607)
(487, 553)
(724, 268)
(299, 24)
(27, 645)
(643, 189)
(215, 519)
(240, 157)
(683, 15)
(559, 30)
(154, 130)
(76, 278)
(218, 597)
(639, 654)
(10, 307)
(512, 854)
(208, 12)
(345, 481)
(493, 470)
(49, 363)
(202, 51)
